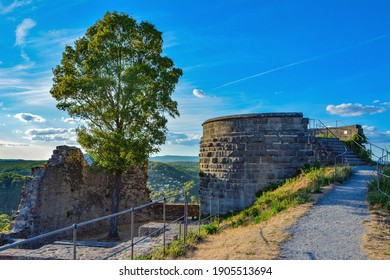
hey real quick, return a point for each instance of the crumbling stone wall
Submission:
(66, 191)
(242, 154)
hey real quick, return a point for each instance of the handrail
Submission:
(383, 150)
(381, 162)
(75, 226)
(327, 128)
(341, 155)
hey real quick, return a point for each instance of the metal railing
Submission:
(74, 228)
(382, 163)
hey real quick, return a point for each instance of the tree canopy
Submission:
(116, 80)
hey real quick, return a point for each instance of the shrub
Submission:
(375, 197)
(211, 228)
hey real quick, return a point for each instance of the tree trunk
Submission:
(113, 231)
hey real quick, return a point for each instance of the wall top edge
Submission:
(257, 115)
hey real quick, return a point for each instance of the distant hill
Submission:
(12, 178)
(19, 166)
(166, 159)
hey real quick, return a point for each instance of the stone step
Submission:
(337, 147)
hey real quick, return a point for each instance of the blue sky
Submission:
(327, 59)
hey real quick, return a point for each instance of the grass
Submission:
(177, 248)
(5, 222)
(375, 198)
(377, 237)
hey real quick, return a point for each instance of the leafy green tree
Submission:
(116, 80)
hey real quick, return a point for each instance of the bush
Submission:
(5, 222)
(211, 228)
(377, 199)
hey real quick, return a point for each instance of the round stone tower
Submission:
(242, 154)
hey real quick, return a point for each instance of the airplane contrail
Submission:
(304, 61)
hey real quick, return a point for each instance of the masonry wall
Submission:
(341, 132)
(66, 191)
(242, 154)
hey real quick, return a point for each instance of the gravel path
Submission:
(333, 229)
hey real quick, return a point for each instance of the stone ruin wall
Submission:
(242, 154)
(66, 191)
(342, 132)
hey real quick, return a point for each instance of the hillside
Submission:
(12, 177)
(168, 159)
(18, 166)
(170, 178)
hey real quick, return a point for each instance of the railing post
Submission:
(219, 207)
(211, 198)
(74, 241)
(132, 233)
(164, 221)
(185, 217)
(200, 215)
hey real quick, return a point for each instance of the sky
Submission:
(329, 59)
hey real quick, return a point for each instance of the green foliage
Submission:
(12, 177)
(5, 222)
(17, 166)
(375, 198)
(10, 189)
(116, 80)
(168, 179)
(176, 248)
(356, 144)
(211, 228)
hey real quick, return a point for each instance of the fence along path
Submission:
(333, 229)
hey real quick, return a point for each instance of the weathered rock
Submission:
(66, 191)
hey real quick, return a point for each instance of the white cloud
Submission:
(367, 128)
(183, 139)
(8, 9)
(21, 83)
(353, 110)
(198, 93)
(13, 145)
(69, 120)
(27, 117)
(22, 31)
(52, 135)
